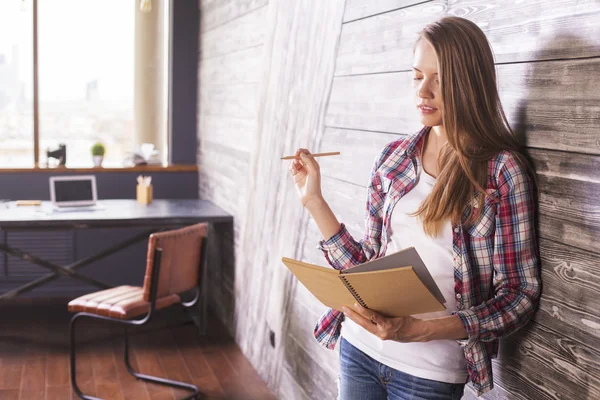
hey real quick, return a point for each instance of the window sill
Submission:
(94, 170)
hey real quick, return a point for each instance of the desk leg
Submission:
(68, 270)
(198, 312)
(204, 325)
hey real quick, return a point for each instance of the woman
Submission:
(462, 194)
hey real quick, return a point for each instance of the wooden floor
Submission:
(34, 361)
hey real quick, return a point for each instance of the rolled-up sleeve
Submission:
(516, 275)
(342, 251)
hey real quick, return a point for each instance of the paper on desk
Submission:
(144, 180)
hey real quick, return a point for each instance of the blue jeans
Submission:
(363, 378)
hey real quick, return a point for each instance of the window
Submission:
(16, 84)
(86, 65)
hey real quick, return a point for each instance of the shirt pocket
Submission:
(381, 184)
(379, 199)
(485, 223)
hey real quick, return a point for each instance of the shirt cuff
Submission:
(471, 323)
(336, 241)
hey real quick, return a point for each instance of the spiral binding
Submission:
(353, 292)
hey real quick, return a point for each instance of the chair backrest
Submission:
(180, 260)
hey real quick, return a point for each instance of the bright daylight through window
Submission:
(86, 71)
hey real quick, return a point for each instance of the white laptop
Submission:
(74, 193)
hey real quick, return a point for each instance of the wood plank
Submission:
(33, 381)
(240, 67)
(171, 359)
(570, 199)
(236, 133)
(219, 365)
(354, 164)
(9, 394)
(247, 383)
(298, 67)
(358, 9)
(497, 393)
(373, 103)
(316, 382)
(289, 388)
(542, 29)
(214, 13)
(148, 361)
(132, 389)
(569, 188)
(385, 42)
(551, 106)
(232, 163)
(221, 190)
(199, 369)
(11, 370)
(222, 169)
(348, 202)
(57, 368)
(85, 372)
(302, 321)
(56, 393)
(571, 284)
(359, 151)
(236, 100)
(106, 379)
(563, 164)
(246, 31)
(537, 362)
(581, 234)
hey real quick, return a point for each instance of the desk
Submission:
(159, 215)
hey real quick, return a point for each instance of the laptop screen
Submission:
(73, 190)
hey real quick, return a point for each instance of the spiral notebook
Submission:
(395, 285)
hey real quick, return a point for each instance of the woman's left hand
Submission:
(400, 329)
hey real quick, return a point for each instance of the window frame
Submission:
(168, 167)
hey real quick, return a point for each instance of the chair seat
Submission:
(123, 302)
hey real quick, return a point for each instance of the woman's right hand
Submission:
(307, 177)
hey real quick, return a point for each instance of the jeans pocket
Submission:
(458, 391)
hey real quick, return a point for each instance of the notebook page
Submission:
(404, 258)
(324, 283)
(394, 292)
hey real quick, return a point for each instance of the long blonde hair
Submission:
(473, 118)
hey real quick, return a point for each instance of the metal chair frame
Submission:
(196, 394)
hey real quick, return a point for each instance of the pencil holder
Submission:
(144, 194)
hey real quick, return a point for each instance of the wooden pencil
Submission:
(332, 153)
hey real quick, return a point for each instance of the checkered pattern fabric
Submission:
(496, 267)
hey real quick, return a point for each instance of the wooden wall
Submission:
(335, 75)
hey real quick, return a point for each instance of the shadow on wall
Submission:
(547, 89)
(221, 273)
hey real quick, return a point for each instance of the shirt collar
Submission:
(415, 143)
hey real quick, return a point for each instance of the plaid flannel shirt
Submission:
(496, 267)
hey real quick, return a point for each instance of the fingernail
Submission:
(344, 309)
(356, 305)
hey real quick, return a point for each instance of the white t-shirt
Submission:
(439, 360)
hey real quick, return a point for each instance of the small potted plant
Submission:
(98, 151)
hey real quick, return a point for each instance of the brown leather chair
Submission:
(175, 261)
